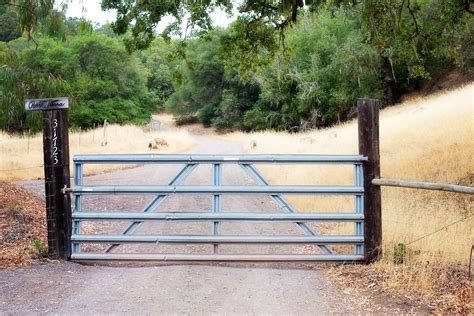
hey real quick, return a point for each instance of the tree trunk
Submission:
(391, 93)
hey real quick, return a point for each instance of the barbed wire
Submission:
(440, 229)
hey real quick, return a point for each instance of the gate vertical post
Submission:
(56, 173)
(368, 125)
(216, 201)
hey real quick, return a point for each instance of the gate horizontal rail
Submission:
(191, 159)
(216, 216)
(223, 189)
(178, 216)
(221, 239)
(206, 258)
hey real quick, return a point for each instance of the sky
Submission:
(90, 9)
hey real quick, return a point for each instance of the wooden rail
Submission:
(423, 185)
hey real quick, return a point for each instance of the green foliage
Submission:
(219, 96)
(107, 84)
(238, 78)
(31, 13)
(158, 62)
(399, 253)
(248, 44)
(95, 71)
(420, 39)
(315, 85)
(314, 82)
(9, 26)
(19, 82)
(40, 248)
(280, 65)
(141, 18)
(201, 78)
(53, 25)
(256, 17)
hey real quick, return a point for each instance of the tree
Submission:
(396, 27)
(32, 12)
(415, 37)
(317, 80)
(159, 62)
(207, 88)
(19, 82)
(95, 71)
(9, 25)
(142, 17)
(107, 83)
(67, 57)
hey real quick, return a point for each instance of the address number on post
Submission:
(46, 104)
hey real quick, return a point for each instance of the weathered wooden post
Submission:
(56, 172)
(368, 119)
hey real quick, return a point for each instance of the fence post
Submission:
(368, 121)
(56, 177)
(56, 172)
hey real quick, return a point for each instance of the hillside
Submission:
(428, 139)
(424, 138)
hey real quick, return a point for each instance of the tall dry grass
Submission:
(428, 139)
(22, 157)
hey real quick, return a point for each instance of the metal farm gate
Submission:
(111, 246)
(92, 232)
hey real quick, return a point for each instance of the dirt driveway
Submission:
(277, 289)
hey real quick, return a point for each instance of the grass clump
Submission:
(40, 248)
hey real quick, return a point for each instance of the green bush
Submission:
(318, 80)
(102, 80)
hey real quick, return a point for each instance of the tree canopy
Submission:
(284, 64)
(103, 81)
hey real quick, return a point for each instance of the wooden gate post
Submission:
(368, 121)
(56, 173)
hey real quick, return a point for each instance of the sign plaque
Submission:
(46, 104)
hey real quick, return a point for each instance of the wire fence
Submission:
(440, 229)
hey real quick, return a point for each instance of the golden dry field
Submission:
(427, 139)
(22, 157)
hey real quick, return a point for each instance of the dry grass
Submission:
(428, 139)
(21, 157)
(423, 281)
(424, 139)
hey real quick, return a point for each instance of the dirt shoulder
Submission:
(22, 226)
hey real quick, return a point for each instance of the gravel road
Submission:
(201, 289)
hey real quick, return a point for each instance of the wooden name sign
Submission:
(46, 104)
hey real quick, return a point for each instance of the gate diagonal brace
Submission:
(155, 202)
(286, 207)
